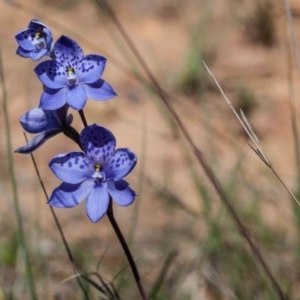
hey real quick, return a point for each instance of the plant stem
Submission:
(82, 116)
(121, 239)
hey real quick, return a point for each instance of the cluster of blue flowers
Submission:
(68, 79)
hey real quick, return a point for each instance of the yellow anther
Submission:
(38, 35)
(98, 168)
(70, 70)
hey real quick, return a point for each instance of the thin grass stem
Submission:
(292, 102)
(70, 255)
(141, 176)
(20, 228)
(292, 33)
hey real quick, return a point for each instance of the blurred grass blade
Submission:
(292, 103)
(162, 274)
(107, 289)
(201, 189)
(293, 34)
(20, 228)
(141, 176)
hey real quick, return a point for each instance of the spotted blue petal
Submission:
(52, 74)
(120, 164)
(91, 68)
(72, 167)
(98, 143)
(67, 52)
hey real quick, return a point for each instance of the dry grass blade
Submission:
(246, 125)
(245, 120)
(254, 137)
(293, 34)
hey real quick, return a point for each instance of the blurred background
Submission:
(185, 244)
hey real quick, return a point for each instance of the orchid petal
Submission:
(38, 141)
(34, 121)
(76, 97)
(97, 202)
(24, 39)
(37, 120)
(49, 39)
(99, 90)
(98, 143)
(69, 195)
(67, 52)
(53, 99)
(72, 167)
(38, 54)
(34, 23)
(121, 192)
(120, 164)
(91, 68)
(23, 53)
(52, 74)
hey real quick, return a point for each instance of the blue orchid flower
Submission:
(36, 41)
(72, 77)
(46, 123)
(95, 174)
